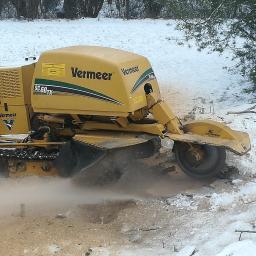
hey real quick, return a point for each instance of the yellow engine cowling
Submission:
(91, 81)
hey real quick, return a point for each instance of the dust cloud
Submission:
(140, 180)
(43, 195)
(50, 195)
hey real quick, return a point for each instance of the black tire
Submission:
(75, 156)
(66, 161)
(211, 164)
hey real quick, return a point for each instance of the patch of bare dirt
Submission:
(105, 212)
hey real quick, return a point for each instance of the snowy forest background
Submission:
(128, 9)
(215, 25)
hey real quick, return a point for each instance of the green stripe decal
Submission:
(144, 77)
(61, 87)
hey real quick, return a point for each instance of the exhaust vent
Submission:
(10, 83)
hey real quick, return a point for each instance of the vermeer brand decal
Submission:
(128, 71)
(77, 73)
(8, 115)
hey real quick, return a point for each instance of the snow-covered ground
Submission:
(190, 80)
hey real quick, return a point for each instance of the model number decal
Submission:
(39, 89)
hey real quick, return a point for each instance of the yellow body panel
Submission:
(20, 144)
(156, 129)
(15, 120)
(110, 140)
(19, 168)
(91, 80)
(15, 99)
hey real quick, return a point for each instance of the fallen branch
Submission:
(149, 229)
(145, 229)
(241, 112)
(188, 251)
(246, 111)
(244, 231)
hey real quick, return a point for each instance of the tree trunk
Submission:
(1, 5)
(118, 7)
(27, 9)
(127, 9)
(70, 9)
(90, 8)
(32, 9)
(152, 8)
(21, 9)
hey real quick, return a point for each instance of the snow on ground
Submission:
(243, 248)
(191, 81)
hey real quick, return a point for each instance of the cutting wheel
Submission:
(200, 161)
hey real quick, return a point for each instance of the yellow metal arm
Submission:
(163, 114)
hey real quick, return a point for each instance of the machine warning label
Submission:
(51, 69)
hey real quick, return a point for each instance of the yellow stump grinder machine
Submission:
(93, 109)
